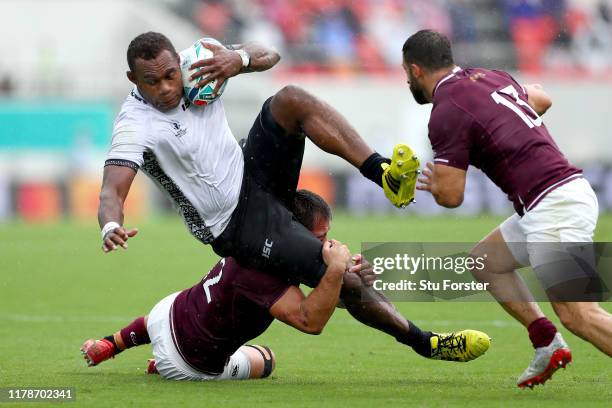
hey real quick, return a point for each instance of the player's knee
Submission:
(480, 274)
(262, 359)
(290, 106)
(290, 95)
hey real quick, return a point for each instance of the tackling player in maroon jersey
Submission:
(200, 333)
(485, 118)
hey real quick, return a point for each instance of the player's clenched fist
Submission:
(114, 235)
(337, 254)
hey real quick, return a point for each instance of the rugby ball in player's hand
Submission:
(197, 52)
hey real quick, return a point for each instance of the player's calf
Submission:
(372, 308)
(588, 321)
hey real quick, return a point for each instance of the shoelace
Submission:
(452, 342)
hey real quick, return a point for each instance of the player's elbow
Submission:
(314, 331)
(311, 327)
(546, 104)
(542, 103)
(303, 322)
(449, 199)
(275, 55)
(538, 99)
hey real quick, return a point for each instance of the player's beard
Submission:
(417, 92)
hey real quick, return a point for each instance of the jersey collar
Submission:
(136, 95)
(446, 78)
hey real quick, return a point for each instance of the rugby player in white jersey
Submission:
(237, 200)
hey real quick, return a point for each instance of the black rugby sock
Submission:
(417, 339)
(111, 338)
(371, 168)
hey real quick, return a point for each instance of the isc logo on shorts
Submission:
(267, 249)
(235, 371)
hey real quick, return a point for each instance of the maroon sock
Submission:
(135, 333)
(541, 332)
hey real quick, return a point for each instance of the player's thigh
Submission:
(273, 156)
(559, 233)
(167, 360)
(566, 214)
(271, 239)
(499, 254)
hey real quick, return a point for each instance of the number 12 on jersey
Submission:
(516, 104)
(213, 281)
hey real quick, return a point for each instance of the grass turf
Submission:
(59, 289)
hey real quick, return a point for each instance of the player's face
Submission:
(321, 228)
(159, 80)
(417, 89)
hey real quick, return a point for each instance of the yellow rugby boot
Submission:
(461, 346)
(400, 177)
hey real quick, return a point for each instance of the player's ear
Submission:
(131, 76)
(417, 71)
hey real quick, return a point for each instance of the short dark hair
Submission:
(148, 46)
(309, 207)
(428, 49)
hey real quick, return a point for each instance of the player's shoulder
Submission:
(465, 89)
(134, 109)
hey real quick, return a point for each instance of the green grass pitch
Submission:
(58, 289)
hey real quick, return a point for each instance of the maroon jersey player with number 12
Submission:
(485, 118)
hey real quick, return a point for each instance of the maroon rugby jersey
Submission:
(229, 307)
(481, 117)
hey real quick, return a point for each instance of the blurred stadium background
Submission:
(62, 80)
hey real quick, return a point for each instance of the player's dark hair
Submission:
(148, 46)
(309, 207)
(428, 49)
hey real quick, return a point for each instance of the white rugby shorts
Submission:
(169, 362)
(565, 218)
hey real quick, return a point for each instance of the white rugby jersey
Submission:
(189, 152)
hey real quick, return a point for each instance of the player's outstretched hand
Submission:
(117, 238)
(426, 178)
(364, 269)
(224, 64)
(336, 253)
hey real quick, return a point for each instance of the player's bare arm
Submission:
(445, 183)
(310, 314)
(538, 99)
(116, 184)
(226, 63)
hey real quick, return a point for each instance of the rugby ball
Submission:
(197, 52)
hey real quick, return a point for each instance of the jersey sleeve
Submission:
(450, 135)
(129, 142)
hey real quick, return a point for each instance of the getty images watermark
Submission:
(408, 264)
(454, 271)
